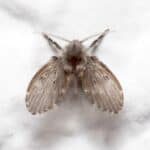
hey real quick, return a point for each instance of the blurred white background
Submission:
(126, 50)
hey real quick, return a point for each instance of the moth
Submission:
(74, 62)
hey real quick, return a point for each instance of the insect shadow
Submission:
(104, 129)
(78, 117)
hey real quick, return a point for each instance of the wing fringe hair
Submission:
(47, 87)
(101, 86)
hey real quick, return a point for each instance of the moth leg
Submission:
(94, 45)
(55, 46)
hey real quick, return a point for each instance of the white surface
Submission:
(126, 51)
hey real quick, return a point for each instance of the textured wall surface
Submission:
(77, 125)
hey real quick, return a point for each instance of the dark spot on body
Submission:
(54, 57)
(74, 61)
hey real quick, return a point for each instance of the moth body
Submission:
(76, 69)
(74, 57)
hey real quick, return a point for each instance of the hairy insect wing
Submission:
(47, 87)
(101, 86)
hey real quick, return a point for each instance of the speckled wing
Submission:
(47, 87)
(101, 86)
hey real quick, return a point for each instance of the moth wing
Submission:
(47, 87)
(101, 86)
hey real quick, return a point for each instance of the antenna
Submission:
(56, 36)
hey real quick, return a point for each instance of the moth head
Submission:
(74, 48)
(74, 53)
